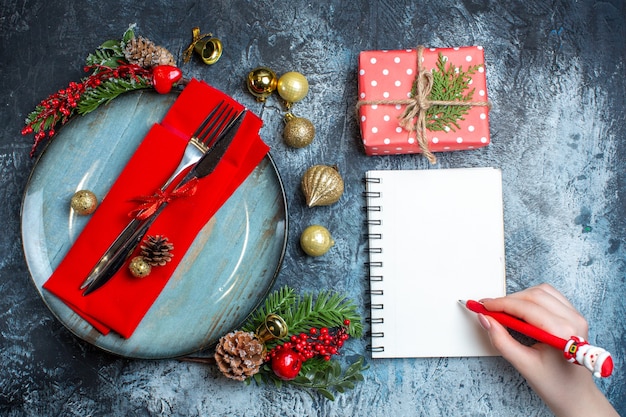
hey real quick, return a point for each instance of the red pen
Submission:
(575, 350)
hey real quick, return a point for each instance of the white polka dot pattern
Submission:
(388, 75)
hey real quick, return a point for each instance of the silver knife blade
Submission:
(115, 256)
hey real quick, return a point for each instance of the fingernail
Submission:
(484, 323)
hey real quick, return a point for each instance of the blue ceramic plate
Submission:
(226, 273)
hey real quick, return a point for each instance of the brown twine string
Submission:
(418, 105)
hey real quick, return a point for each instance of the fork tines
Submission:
(215, 123)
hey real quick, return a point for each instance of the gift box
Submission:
(396, 95)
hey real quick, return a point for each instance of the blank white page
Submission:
(441, 239)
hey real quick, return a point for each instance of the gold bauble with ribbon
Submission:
(299, 132)
(261, 82)
(292, 87)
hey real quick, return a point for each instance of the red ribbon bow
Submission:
(150, 204)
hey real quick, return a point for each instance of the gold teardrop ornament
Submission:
(299, 132)
(322, 185)
(316, 240)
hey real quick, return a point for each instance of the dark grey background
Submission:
(556, 78)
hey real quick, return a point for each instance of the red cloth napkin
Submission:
(121, 303)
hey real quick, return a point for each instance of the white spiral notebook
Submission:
(435, 236)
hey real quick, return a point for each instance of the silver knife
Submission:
(116, 255)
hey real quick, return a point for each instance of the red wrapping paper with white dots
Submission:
(389, 75)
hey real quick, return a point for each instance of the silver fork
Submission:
(220, 118)
(197, 146)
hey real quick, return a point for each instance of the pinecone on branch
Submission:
(239, 355)
(157, 250)
(146, 54)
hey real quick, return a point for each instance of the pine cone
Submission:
(156, 250)
(239, 355)
(146, 54)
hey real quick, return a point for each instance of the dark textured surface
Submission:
(556, 77)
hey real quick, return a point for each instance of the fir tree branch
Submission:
(276, 302)
(107, 91)
(323, 377)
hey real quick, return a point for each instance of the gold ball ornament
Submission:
(292, 87)
(322, 185)
(84, 202)
(316, 240)
(139, 267)
(261, 82)
(299, 132)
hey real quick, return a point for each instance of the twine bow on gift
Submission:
(151, 203)
(414, 116)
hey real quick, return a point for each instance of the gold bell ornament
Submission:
(261, 82)
(273, 327)
(322, 185)
(292, 87)
(206, 46)
(299, 132)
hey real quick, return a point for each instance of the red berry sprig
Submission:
(60, 106)
(323, 342)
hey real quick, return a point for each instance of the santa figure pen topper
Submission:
(575, 350)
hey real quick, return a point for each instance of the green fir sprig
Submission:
(110, 75)
(323, 377)
(109, 90)
(450, 83)
(111, 52)
(301, 313)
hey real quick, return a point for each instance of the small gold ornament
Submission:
(322, 185)
(299, 132)
(273, 327)
(261, 82)
(292, 87)
(316, 240)
(210, 50)
(205, 45)
(84, 202)
(139, 267)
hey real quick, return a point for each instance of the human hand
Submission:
(567, 389)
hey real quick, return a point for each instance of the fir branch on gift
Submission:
(450, 83)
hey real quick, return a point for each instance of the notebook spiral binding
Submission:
(376, 308)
